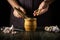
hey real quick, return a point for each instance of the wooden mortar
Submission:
(30, 24)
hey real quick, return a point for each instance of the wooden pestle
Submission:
(20, 13)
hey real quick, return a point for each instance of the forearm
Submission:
(13, 3)
(45, 4)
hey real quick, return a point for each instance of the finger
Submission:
(35, 13)
(22, 10)
(20, 16)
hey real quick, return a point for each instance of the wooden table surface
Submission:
(41, 35)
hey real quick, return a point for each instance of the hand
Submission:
(15, 13)
(42, 9)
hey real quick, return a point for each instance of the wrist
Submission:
(48, 1)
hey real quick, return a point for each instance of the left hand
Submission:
(42, 9)
(16, 14)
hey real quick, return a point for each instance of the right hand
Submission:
(43, 7)
(15, 13)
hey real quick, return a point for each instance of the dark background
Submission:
(5, 13)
